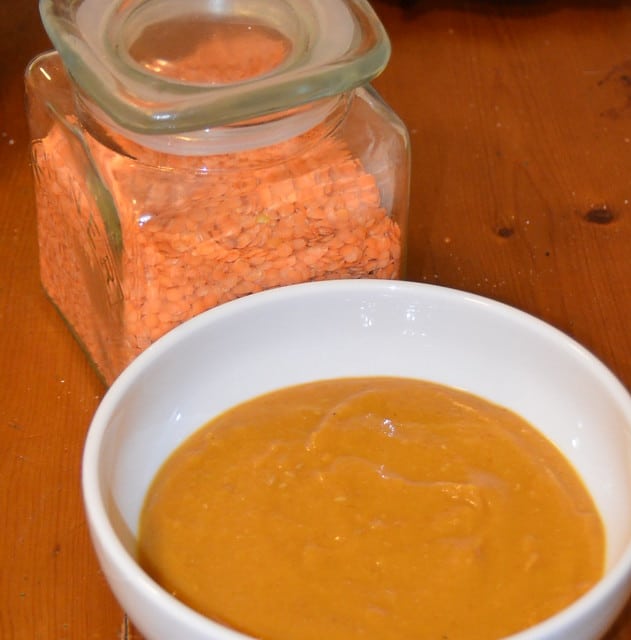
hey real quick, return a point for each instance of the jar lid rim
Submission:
(335, 46)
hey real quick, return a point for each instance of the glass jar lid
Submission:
(169, 66)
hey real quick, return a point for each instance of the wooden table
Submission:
(520, 119)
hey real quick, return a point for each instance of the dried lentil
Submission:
(193, 239)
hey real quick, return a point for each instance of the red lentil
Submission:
(193, 239)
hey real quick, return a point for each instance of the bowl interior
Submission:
(358, 328)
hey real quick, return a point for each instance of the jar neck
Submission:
(311, 122)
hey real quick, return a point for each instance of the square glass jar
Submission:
(189, 153)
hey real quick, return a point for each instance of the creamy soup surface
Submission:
(371, 508)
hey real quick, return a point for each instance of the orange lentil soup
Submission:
(377, 508)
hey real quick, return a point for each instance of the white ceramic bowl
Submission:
(354, 328)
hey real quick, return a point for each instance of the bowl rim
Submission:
(618, 576)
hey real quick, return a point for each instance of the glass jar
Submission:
(188, 153)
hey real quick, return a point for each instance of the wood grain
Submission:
(520, 119)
